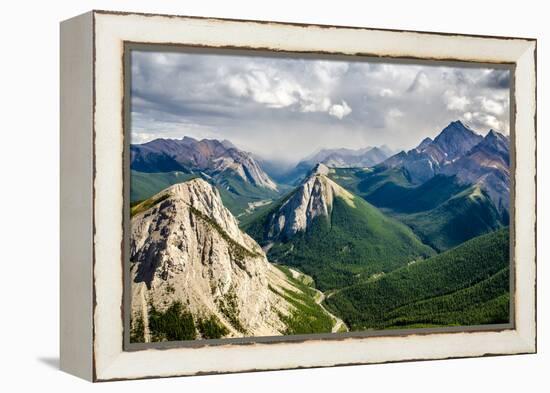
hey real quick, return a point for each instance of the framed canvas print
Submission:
(246, 195)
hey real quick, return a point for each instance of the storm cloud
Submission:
(286, 108)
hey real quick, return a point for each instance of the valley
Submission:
(334, 236)
(350, 240)
(463, 286)
(339, 325)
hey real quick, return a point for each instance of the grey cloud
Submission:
(288, 107)
(420, 82)
(497, 78)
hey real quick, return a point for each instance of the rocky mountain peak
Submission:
(187, 247)
(200, 198)
(494, 147)
(456, 139)
(496, 137)
(312, 199)
(425, 142)
(188, 140)
(343, 157)
(320, 169)
(487, 165)
(460, 151)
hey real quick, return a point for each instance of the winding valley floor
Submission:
(339, 325)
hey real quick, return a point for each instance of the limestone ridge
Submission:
(187, 247)
(313, 198)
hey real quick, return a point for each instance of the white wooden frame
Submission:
(92, 143)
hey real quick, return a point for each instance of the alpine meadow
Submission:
(280, 195)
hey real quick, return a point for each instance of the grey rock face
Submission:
(312, 199)
(488, 165)
(421, 163)
(425, 142)
(427, 159)
(459, 151)
(188, 247)
(456, 140)
(208, 155)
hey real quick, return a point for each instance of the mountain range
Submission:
(190, 155)
(468, 285)
(427, 159)
(459, 150)
(221, 249)
(241, 181)
(245, 180)
(448, 190)
(487, 164)
(333, 235)
(197, 275)
(338, 158)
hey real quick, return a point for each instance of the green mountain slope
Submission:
(441, 211)
(145, 185)
(365, 181)
(309, 316)
(467, 285)
(378, 180)
(427, 196)
(352, 243)
(468, 214)
(237, 195)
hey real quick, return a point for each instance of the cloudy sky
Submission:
(287, 108)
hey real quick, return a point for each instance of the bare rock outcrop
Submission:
(487, 165)
(187, 247)
(312, 199)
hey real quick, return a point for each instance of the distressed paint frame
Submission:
(110, 32)
(173, 48)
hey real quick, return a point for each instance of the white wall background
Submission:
(29, 195)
